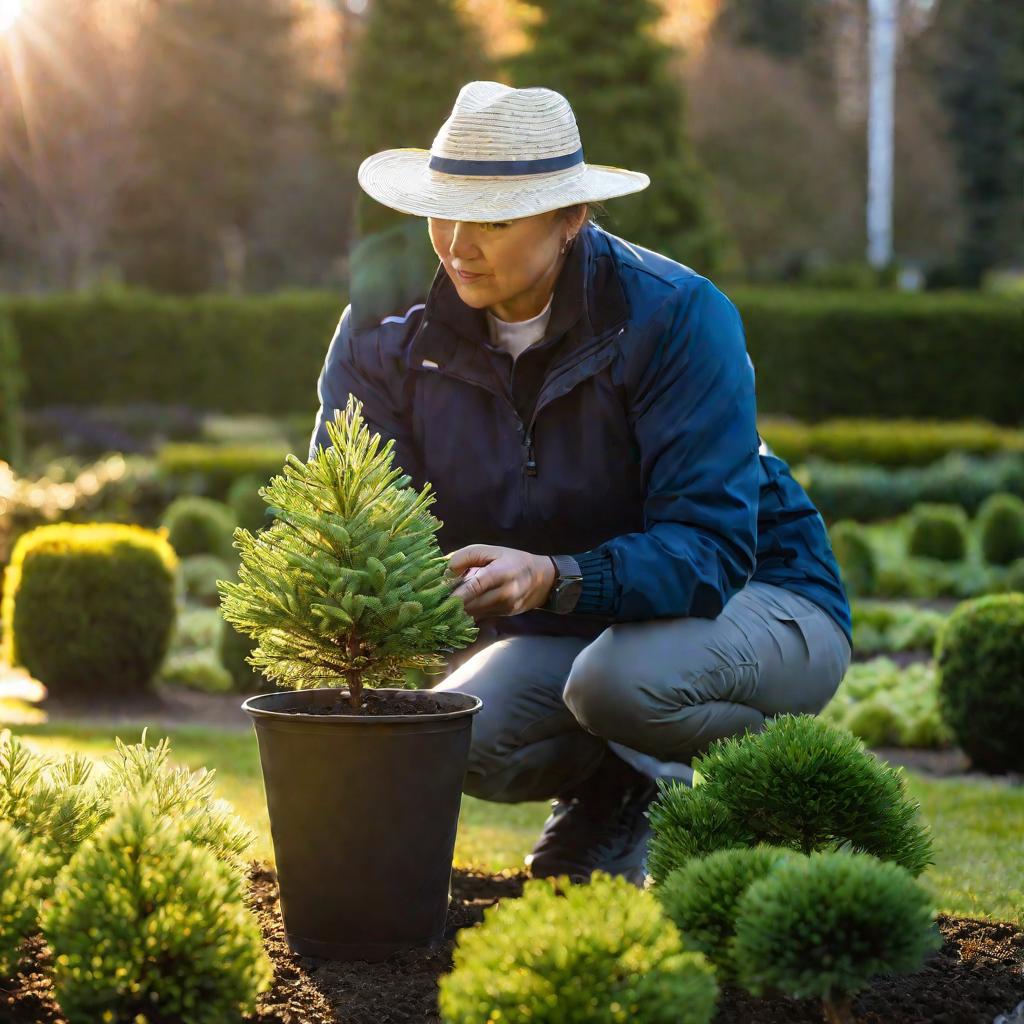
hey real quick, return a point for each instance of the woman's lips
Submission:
(468, 277)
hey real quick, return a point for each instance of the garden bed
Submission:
(978, 974)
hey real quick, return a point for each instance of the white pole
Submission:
(880, 130)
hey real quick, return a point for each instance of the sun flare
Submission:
(9, 12)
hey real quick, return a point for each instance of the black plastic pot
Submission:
(363, 812)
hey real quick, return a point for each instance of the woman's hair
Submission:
(568, 212)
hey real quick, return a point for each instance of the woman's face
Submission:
(517, 261)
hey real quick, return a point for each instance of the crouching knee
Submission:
(604, 698)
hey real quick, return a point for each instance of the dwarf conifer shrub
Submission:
(148, 927)
(856, 558)
(348, 585)
(19, 888)
(599, 952)
(800, 783)
(1001, 528)
(980, 657)
(200, 526)
(701, 897)
(824, 925)
(938, 531)
(90, 607)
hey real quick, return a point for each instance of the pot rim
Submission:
(250, 707)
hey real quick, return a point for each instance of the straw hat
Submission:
(502, 153)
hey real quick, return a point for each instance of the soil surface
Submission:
(976, 976)
(373, 704)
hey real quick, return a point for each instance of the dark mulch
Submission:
(977, 975)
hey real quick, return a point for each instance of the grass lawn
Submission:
(976, 826)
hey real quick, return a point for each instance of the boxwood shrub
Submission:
(939, 532)
(90, 607)
(200, 526)
(1001, 529)
(597, 952)
(980, 656)
(857, 563)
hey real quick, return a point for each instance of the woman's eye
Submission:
(497, 224)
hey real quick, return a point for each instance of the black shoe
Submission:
(600, 825)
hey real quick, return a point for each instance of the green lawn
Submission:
(977, 827)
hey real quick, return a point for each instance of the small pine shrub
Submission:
(200, 574)
(857, 563)
(200, 526)
(245, 500)
(1001, 528)
(701, 896)
(980, 657)
(148, 927)
(597, 952)
(939, 532)
(19, 887)
(90, 607)
(824, 925)
(800, 783)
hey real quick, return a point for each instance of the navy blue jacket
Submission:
(641, 457)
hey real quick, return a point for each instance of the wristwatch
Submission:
(567, 587)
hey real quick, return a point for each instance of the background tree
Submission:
(631, 112)
(978, 52)
(214, 86)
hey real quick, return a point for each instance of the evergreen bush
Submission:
(234, 650)
(146, 926)
(701, 897)
(938, 531)
(800, 783)
(598, 952)
(200, 526)
(1001, 527)
(210, 470)
(20, 871)
(196, 629)
(197, 670)
(857, 563)
(1015, 577)
(245, 501)
(89, 608)
(980, 657)
(348, 585)
(12, 439)
(200, 574)
(825, 925)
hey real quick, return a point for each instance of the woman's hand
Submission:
(501, 581)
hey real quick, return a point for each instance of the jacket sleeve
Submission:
(355, 364)
(693, 415)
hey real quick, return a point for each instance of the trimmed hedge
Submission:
(817, 354)
(90, 607)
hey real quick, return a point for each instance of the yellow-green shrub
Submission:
(598, 952)
(19, 887)
(90, 607)
(200, 526)
(1001, 526)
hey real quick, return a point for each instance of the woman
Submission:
(646, 576)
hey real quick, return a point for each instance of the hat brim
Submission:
(403, 180)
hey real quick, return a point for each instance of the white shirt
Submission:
(518, 335)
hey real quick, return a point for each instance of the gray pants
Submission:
(656, 692)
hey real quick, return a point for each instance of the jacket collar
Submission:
(589, 302)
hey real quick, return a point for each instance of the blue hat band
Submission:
(508, 168)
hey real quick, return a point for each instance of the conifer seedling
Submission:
(348, 587)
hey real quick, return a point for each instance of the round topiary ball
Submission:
(824, 925)
(200, 574)
(1015, 577)
(980, 659)
(147, 926)
(856, 557)
(597, 952)
(939, 532)
(20, 871)
(1001, 528)
(250, 509)
(701, 897)
(200, 526)
(89, 607)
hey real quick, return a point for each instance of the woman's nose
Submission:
(462, 243)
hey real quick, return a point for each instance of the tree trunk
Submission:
(839, 1009)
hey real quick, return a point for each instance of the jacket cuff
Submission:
(598, 594)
